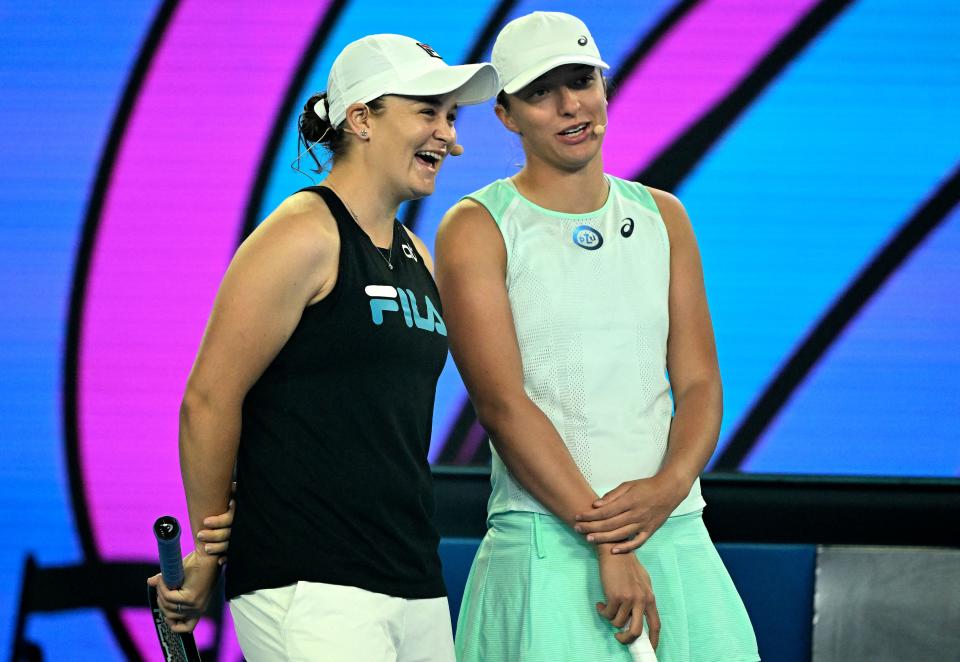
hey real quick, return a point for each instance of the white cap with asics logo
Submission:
(382, 64)
(532, 45)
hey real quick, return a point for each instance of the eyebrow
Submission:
(431, 101)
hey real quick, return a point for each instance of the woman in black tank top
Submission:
(316, 378)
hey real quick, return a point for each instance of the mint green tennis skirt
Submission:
(532, 589)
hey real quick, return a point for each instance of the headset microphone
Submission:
(456, 150)
(599, 130)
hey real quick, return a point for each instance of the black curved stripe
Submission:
(458, 433)
(651, 39)
(490, 30)
(930, 215)
(80, 275)
(280, 126)
(676, 162)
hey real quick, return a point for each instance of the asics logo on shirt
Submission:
(384, 298)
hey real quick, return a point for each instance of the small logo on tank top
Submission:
(587, 237)
(384, 299)
(409, 252)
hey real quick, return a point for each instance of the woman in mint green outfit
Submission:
(569, 295)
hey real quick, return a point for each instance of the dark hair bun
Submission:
(312, 127)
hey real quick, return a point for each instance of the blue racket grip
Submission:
(167, 531)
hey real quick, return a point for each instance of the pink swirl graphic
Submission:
(171, 217)
(692, 68)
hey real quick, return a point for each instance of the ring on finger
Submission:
(178, 608)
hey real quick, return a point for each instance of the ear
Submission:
(357, 120)
(504, 116)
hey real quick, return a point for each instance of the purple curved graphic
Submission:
(170, 219)
(692, 68)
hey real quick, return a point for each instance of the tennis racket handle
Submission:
(167, 531)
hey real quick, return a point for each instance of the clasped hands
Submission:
(183, 607)
(630, 513)
(620, 522)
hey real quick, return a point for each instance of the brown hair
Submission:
(313, 129)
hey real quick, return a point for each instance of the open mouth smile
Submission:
(429, 159)
(575, 134)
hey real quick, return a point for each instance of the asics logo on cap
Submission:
(429, 51)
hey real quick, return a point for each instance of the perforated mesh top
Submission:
(589, 295)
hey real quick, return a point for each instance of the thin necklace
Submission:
(388, 258)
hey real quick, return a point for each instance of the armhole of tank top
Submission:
(653, 208)
(496, 222)
(328, 301)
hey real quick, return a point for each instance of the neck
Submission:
(571, 191)
(368, 199)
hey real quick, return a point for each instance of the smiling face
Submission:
(410, 140)
(556, 115)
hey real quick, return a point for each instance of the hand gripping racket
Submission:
(176, 646)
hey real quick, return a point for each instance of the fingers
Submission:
(213, 549)
(155, 580)
(635, 626)
(612, 495)
(623, 532)
(631, 545)
(178, 611)
(604, 512)
(223, 520)
(215, 535)
(622, 615)
(215, 541)
(615, 522)
(185, 598)
(609, 610)
(653, 622)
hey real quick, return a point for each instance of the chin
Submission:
(422, 190)
(578, 162)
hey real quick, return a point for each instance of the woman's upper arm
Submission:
(274, 275)
(691, 349)
(470, 272)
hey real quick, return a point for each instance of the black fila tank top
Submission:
(333, 483)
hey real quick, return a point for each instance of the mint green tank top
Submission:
(589, 296)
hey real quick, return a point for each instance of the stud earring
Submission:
(363, 133)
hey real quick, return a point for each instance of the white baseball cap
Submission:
(393, 64)
(532, 45)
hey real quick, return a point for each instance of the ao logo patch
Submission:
(587, 237)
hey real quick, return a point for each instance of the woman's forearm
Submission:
(535, 454)
(693, 433)
(209, 436)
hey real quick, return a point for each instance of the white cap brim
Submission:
(524, 78)
(470, 83)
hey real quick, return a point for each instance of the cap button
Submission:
(582, 40)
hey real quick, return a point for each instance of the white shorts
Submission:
(332, 623)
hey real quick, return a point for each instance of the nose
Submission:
(568, 102)
(445, 132)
